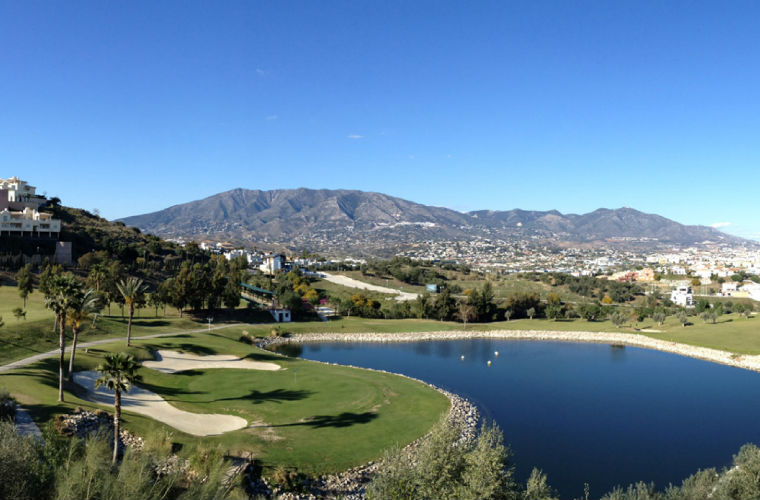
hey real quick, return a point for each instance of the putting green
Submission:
(319, 418)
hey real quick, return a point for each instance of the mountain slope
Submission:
(345, 217)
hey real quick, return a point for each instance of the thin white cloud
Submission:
(272, 117)
(355, 136)
(263, 72)
(718, 225)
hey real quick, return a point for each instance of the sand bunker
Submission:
(144, 402)
(173, 362)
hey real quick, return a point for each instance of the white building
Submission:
(753, 289)
(729, 288)
(30, 223)
(682, 296)
(280, 315)
(272, 263)
(16, 194)
(18, 211)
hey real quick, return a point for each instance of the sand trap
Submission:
(173, 362)
(144, 402)
(350, 282)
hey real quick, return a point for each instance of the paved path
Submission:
(38, 357)
(352, 283)
(25, 426)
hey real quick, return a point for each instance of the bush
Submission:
(7, 405)
(448, 467)
(288, 479)
(22, 474)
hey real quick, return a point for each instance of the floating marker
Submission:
(462, 358)
(496, 353)
(489, 362)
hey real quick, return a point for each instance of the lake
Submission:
(592, 413)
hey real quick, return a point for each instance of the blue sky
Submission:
(130, 107)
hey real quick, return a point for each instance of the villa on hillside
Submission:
(19, 214)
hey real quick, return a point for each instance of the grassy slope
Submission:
(33, 335)
(319, 418)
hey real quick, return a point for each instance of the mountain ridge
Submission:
(353, 217)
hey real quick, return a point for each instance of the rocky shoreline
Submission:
(747, 362)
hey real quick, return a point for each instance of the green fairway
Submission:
(316, 417)
(33, 335)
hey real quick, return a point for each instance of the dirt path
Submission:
(25, 425)
(339, 279)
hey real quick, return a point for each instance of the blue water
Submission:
(592, 413)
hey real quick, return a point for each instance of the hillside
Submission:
(342, 218)
(91, 233)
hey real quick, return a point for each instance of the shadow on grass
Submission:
(166, 392)
(345, 419)
(275, 396)
(186, 347)
(263, 356)
(24, 347)
(140, 322)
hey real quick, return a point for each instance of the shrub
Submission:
(446, 466)
(21, 471)
(7, 405)
(288, 479)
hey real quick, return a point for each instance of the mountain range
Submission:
(346, 219)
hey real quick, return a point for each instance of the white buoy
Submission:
(489, 362)
(496, 353)
(462, 358)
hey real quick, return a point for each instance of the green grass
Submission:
(316, 417)
(34, 335)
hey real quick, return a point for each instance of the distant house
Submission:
(280, 315)
(682, 296)
(646, 274)
(272, 263)
(729, 288)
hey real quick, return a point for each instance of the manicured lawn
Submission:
(34, 335)
(316, 417)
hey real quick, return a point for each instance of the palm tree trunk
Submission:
(116, 424)
(62, 346)
(129, 324)
(75, 331)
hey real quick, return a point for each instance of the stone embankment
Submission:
(634, 340)
(84, 424)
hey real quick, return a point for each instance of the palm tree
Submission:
(97, 276)
(85, 303)
(131, 289)
(119, 372)
(59, 295)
